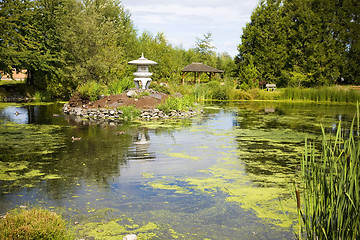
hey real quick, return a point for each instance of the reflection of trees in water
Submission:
(28, 114)
(270, 142)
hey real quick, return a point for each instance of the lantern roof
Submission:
(142, 61)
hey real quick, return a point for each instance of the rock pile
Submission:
(116, 114)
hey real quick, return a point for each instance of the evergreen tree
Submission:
(263, 44)
(18, 43)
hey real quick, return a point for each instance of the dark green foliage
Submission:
(301, 43)
(65, 44)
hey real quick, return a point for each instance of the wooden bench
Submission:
(271, 87)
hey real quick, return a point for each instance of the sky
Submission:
(182, 21)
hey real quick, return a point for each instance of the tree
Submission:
(301, 42)
(263, 43)
(204, 48)
(17, 35)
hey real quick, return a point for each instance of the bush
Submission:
(42, 96)
(119, 86)
(175, 103)
(244, 87)
(159, 88)
(129, 112)
(91, 89)
(238, 94)
(34, 223)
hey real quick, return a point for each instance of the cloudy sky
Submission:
(182, 21)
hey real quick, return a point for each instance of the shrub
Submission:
(129, 112)
(244, 87)
(175, 103)
(238, 94)
(42, 96)
(34, 223)
(91, 89)
(119, 86)
(160, 88)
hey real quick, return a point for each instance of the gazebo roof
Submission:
(200, 67)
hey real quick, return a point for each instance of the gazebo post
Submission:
(183, 80)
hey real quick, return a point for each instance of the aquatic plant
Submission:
(35, 223)
(329, 206)
(321, 94)
(176, 103)
(129, 112)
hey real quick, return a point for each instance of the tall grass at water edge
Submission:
(177, 103)
(321, 94)
(329, 206)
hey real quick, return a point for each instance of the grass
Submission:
(35, 223)
(176, 103)
(329, 206)
(321, 94)
(129, 112)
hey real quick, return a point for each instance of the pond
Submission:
(226, 174)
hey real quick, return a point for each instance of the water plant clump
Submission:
(35, 223)
(329, 206)
(129, 112)
(178, 104)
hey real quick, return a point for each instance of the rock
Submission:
(131, 94)
(130, 237)
(156, 95)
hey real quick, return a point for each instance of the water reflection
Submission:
(139, 149)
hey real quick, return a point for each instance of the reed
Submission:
(321, 94)
(330, 199)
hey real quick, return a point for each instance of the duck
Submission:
(17, 113)
(75, 138)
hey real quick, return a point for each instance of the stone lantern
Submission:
(142, 75)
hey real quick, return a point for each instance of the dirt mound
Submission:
(77, 100)
(141, 99)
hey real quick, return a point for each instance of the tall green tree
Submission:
(18, 33)
(204, 49)
(302, 42)
(263, 44)
(313, 49)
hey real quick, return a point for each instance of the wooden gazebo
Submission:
(198, 69)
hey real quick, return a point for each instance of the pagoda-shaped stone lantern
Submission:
(142, 75)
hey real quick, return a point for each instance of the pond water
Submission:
(223, 175)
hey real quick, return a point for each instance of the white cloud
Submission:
(184, 20)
